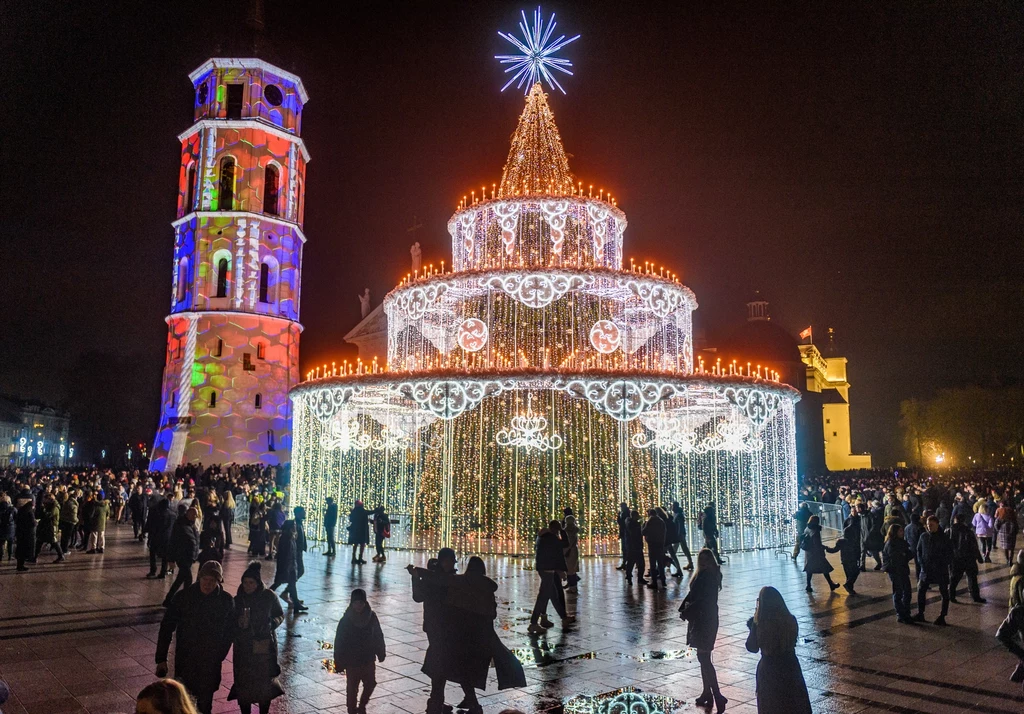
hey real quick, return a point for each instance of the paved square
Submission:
(80, 637)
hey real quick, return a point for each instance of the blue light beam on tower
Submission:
(535, 61)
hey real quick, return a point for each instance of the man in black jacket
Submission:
(330, 523)
(138, 506)
(679, 519)
(966, 557)
(622, 518)
(200, 618)
(184, 550)
(654, 533)
(550, 566)
(159, 527)
(935, 554)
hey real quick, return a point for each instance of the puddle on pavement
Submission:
(662, 655)
(324, 645)
(628, 700)
(543, 655)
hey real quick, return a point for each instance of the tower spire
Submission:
(536, 162)
(255, 21)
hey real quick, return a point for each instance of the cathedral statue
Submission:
(364, 302)
(417, 256)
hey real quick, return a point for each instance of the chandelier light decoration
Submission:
(538, 310)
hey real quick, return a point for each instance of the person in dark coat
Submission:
(700, 610)
(257, 614)
(184, 550)
(709, 526)
(25, 531)
(670, 557)
(227, 516)
(848, 548)
(159, 528)
(781, 688)
(815, 560)
(359, 641)
(679, 519)
(966, 556)
(622, 518)
(912, 533)
(470, 600)
(330, 523)
(871, 524)
(300, 541)
(896, 555)
(936, 555)
(48, 529)
(945, 515)
(68, 522)
(430, 587)
(800, 518)
(138, 507)
(358, 532)
(200, 619)
(550, 566)
(1011, 635)
(634, 548)
(288, 568)
(8, 518)
(654, 534)
(381, 532)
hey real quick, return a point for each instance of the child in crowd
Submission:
(358, 641)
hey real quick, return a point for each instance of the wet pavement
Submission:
(80, 637)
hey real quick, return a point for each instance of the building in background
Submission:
(34, 435)
(233, 330)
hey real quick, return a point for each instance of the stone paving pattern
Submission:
(80, 637)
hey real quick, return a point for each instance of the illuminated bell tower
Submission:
(233, 330)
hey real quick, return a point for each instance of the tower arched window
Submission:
(190, 192)
(182, 280)
(226, 195)
(222, 278)
(259, 401)
(271, 189)
(213, 398)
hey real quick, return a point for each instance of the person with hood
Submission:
(985, 528)
(257, 614)
(330, 523)
(200, 619)
(550, 566)
(48, 531)
(700, 610)
(571, 549)
(1017, 581)
(896, 555)
(68, 522)
(709, 526)
(8, 516)
(780, 682)
(138, 507)
(24, 531)
(183, 550)
(98, 524)
(935, 554)
(654, 533)
(815, 560)
(679, 519)
(381, 532)
(288, 568)
(359, 641)
(257, 527)
(634, 548)
(622, 519)
(159, 528)
(848, 548)
(965, 559)
(912, 534)
(358, 532)
(430, 587)
(800, 518)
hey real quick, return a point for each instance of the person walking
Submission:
(965, 560)
(849, 550)
(571, 549)
(257, 527)
(773, 631)
(550, 566)
(68, 522)
(330, 523)
(381, 532)
(709, 526)
(679, 519)
(912, 534)
(700, 611)
(800, 518)
(1006, 530)
(874, 519)
(287, 572)
(985, 527)
(48, 530)
(1017, 581)
(654, 534)
(24, 531)
(275, 525)
(199, 618)
(896, 556)
(430, 587)
(1011, 635)
(359, 641)
(358, 532)
(935, 554)
(257, 615)
(159, 530)
(622, 518)
(227, 516)
(634, 548)
(815, 560)
(8, 518)
(98, 524)
(669, 557)
(183, 550)
(138, 507)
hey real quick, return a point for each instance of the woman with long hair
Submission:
(780, 681)
(700, 610)
(815, 560)
(164, 696)
(896, 557)
(1006, 530)
(257, 615)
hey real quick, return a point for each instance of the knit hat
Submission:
(358, 594)
(212, 568)
(254, 571)
(446, 554)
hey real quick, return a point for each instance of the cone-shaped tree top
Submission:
(536, 163)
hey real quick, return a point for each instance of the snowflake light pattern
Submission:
(527, 432)
(536, 59)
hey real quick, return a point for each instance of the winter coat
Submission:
(287, 565)
(635, 540)
(1011, 631)
(801, 517)
(964, 548)
(935, 555)
(202, 626)
(912, 534)
(700, 610)
(358, 526)
(945, 514)
(984, 525)
(671, 534)
(184, 546)
(69, 511)
(160, 528)
(300, 547)
(848, 546)
(381, 525)
(874, 539)
(622, 519)
(100, 512)
(8, 516)
(550, 555)
(679, 520)
(781, 688)
(571, 548)
(472, 603)
(49, 526)
(331, 516)
(254, 659)
(1006, 529)
(1016, 585)
(138, 505)
(25, 532)
(814, 552)
(896, 557)
(654, 532)
(440, 620)
(358, 640)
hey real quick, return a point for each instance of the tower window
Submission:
(247, 364)
(259, 401)
(264, 282)
(234, 109)
(190, 204)
(271, 189)
(222, 278)
(174, 399)
(219, 351)
(182, 280)
(261, 351)
(213, 398)
(226, 196)
(273, 95)
(834, 434)
(270, 440)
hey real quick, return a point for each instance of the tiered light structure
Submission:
(537, 374)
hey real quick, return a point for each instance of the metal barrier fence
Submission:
(831, 517)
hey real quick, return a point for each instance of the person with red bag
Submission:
(381, 532)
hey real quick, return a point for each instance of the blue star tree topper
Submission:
(536, 59)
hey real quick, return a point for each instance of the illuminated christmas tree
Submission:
(536, 162)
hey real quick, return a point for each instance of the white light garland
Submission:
(527, 432)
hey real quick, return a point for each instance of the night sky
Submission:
(859, 164)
